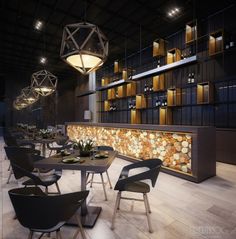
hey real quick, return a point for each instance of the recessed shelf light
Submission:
(43, 60)
(38, 25)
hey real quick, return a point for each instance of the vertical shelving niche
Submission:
(158, 82)
(191, 31)
(174, 97)
(205, 93)
(216, 42)
(165, 116)
(173, 55)
(159, 48)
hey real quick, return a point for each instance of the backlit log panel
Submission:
(174, 149)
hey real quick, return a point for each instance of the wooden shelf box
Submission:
(191, 31)
(173, 55)
(158, 82)
(117, 67)
(165, 116)
(141, 101)
(131, 89)
(216, 42)
(121, 91)
(135, 116)
(107, 105)
(111, 94)
(159, 48)
(205, 93)
(174, 97)
(105, 81)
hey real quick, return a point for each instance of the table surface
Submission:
(89, 164)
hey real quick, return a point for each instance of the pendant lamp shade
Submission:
(19, 103)
(29, 95)
(43, 82)
(84, 47)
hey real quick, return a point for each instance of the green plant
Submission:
(84, 145)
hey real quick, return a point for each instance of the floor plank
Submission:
(180, 209)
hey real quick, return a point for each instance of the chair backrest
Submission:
(153, 165)
(104, 148)
(20, 157)
(35, 210)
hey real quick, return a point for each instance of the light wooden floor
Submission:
(180, 209)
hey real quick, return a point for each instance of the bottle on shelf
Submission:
(145, 88)
(189, 78)
(158, 63)
(134, 105)
(151, 88)
(192, 78)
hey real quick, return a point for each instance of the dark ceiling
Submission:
(121, 21)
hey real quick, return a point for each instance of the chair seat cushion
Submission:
(137, 187)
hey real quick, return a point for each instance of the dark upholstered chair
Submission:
(23, 166)
(91, 181)
(135, 184)
(62, 142)
(46, 214)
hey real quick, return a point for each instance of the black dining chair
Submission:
(46, 214)
(23, 166)
(11, 140)
(91, 181)
(135, 184)
(62, 143)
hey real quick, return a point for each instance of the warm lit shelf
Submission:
(173, 55)
(131, 89)
(158, 82)
(159, 47)
(165, 68)
(191, 31)
(174, 97)
(105, 81)
(141, 102)
(216, 42)
(114, 84)
(107, 105)
(117, 67)
(121, 91)
(205, 93)
(135, 116)
(165, 116)
(111, 94)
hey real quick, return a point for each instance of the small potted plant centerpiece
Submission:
(84, 146)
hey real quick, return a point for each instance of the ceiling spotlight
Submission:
(43, 60)
(173, 12)
(38, 25)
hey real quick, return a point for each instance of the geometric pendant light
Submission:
(29, 95)
(19, 103)
(43, 82)
(84, 47)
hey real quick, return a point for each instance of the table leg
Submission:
(44, 150)
(88, 214)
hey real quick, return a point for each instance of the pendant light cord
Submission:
(140, 45)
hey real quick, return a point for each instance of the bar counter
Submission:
(186, 151)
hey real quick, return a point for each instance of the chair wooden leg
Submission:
(115, 210)
(147, 212)
(80, 227)
(46, 190)
(9, 176)
(149, 209)
(104, 188)
(91, 182)
(58, 234)
(9, 167)
(30, 235)
(58, 189)
(108, 178)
